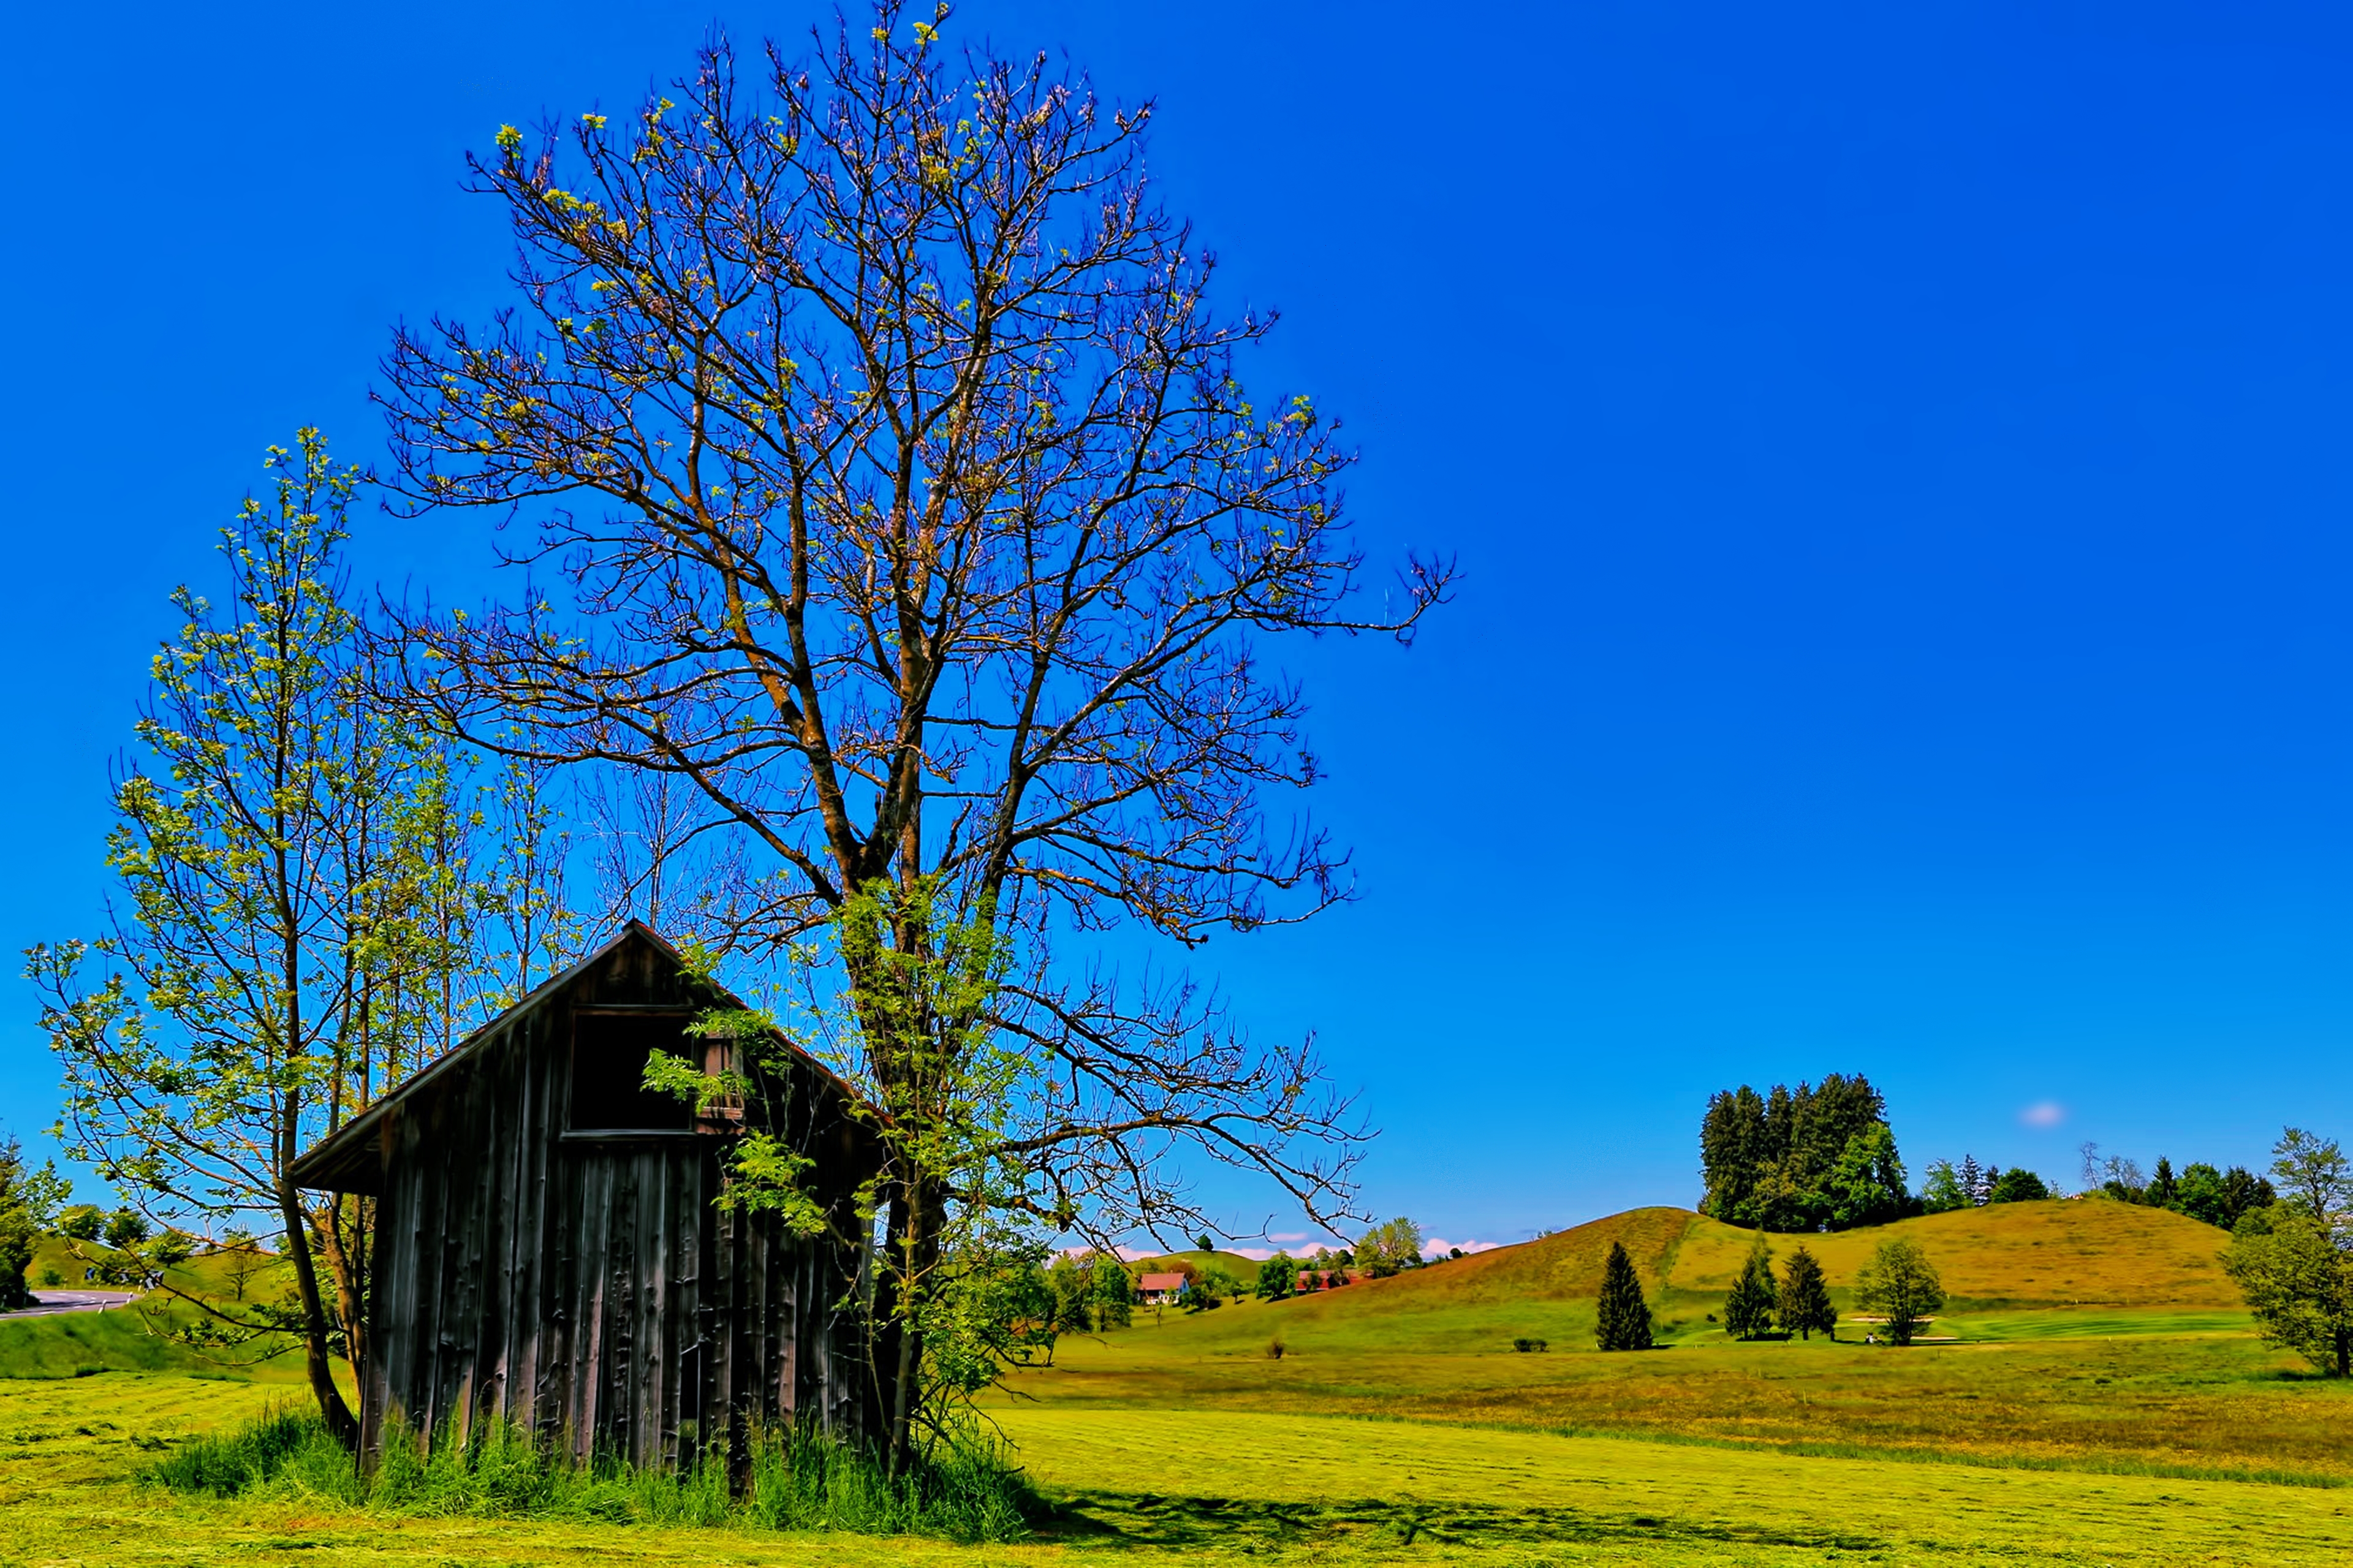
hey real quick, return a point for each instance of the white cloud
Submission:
(1440, 1247)
(2043, 1114)
(1285, 1237)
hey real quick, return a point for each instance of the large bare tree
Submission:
(911, 511)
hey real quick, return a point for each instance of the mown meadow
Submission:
(2106, 1402)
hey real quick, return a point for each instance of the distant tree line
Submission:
(1969, 1184)
(2219, 1197)
(1387, 1249)
(1820, 1157)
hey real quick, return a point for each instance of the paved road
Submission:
(52, 1302)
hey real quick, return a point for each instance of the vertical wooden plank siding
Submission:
(588, 1285)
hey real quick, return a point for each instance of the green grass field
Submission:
(2124, 1413)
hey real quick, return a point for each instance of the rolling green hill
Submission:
(138, 1338)
(2086, 1251)
(2120, 1260)
(2047, 1254)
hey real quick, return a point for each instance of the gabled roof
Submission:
(349, 1156)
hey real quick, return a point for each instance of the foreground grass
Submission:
(1194, 1479)
(1170, 1487)
(966, 1490)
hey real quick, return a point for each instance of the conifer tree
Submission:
(1806, 1297)
(1820, 1157)
(1749, 1306)
(1624, 1317)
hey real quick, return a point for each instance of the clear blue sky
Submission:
(1899, 454)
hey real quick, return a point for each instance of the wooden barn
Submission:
(546, 1243)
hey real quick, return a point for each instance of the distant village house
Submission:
(1161, 1289)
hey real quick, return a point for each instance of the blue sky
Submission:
(1899, 456)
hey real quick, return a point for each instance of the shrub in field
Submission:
(1528, 1346)
(967, 1490)
(1900, 1284)
(1622, 1319)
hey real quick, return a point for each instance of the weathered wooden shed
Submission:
(547, 1246)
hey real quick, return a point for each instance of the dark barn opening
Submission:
(609, 1050)
(548, 1247)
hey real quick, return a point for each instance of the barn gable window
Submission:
(608, 1067)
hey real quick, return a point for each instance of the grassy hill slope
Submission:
(2034, 1254)
(2040, 1254)
(137, 1338)
(2006, 1258)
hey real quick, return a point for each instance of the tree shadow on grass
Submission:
(1158, 1522)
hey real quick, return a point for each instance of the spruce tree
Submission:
(1749, 1306)
(1623, 1321)
(1806, 1297)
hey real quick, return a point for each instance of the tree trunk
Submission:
(315, 1361)
(915, 1246)
(345, 1263)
